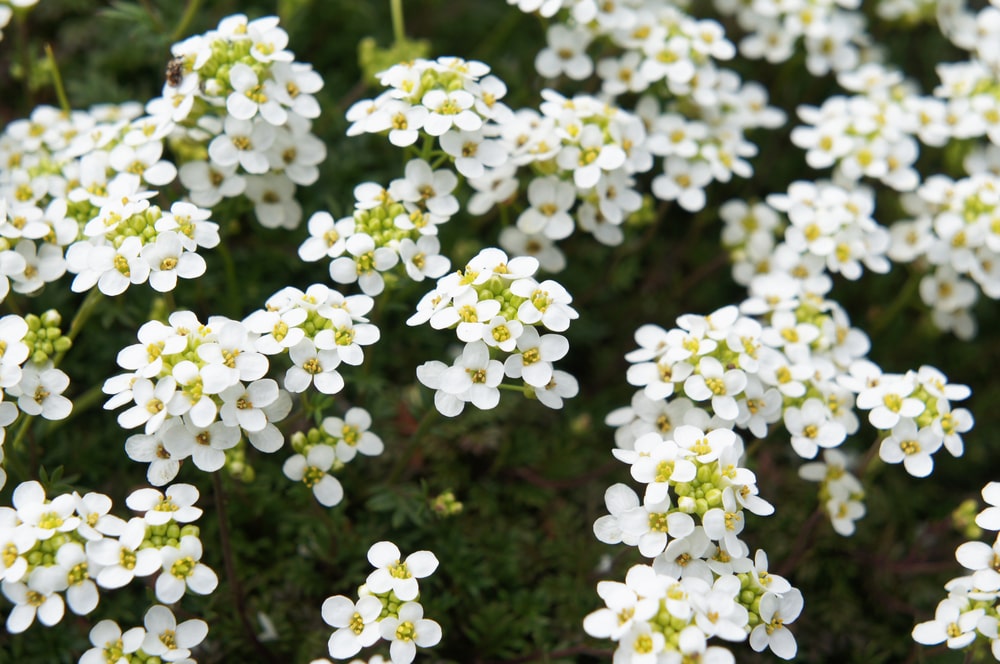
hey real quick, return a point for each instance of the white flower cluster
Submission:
(730, 369)
(914, 413)
(198, 388)
(801, 363)
(321, 451)
(954, 230)
(242, 108)
(828, 229)
(160, 637)
(833, 32)
(389, 226)
(700, 132)
(71, 545)
(840, 492)
(27, 372)
(388, 608)
(496, 307)
(454, 100)
(971, 610)
(77, 199)
(578, 149)
(871, 134)
(702, 583)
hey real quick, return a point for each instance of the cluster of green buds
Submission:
(44, 338)
(445, 504)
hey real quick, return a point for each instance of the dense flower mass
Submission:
(627, 118)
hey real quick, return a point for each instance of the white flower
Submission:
(914, 448)
(590, 156)
(352, 434)
(209, 183)
(474, 377)
(39, 596)
(110, 644)
(160, 509)
(205, 445)
(250, 96)
(150, 407)
(430, 190)
(168, 260)
(473, 152)
(151, 449)
(245, 142)
(547, 302)
(775, 612)
(408, 631)
(364, 264)
(358, 624)
(989, 518)
(42, 517)
(81, 591)
(40, 392)
(566, 53)
(312, 470)
(399, 577)
(326, 237)
(311, 366)
(951, 624)
(548, 214)
(811, 427)
(244, 406)
(448, 109)
(979, 557)
(423, 258)
(345, 337)
(166, 639)
(713, 381)
(182, 570)
(122, 560)
(561, 386)
(537, 353)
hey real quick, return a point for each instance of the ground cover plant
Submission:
(546, 330)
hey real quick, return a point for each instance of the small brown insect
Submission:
(175, 71)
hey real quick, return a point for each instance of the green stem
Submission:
(182, 26)
(22, 432)
(82, 314)
(903, 298)
(427, 149)
(232, 282)
(513, 388)
(57, 80)
(81, 404)
(411, 447)
(228, 562)
(398, 32)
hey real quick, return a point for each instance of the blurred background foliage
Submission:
(519, 563)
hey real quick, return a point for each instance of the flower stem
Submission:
(228, 563)
(182, 26)
(411, 447)
(82, 314)
(903, 298)
(398, 32)
(57, 81)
